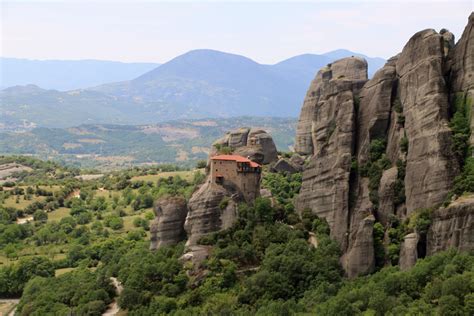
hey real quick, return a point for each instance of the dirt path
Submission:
(113, 308)
(13, 302)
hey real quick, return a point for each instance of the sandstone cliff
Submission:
(452, 226)
(211, 208)
(167, 228)
(382, 149)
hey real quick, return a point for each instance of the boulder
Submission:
(167, 228)
(408, 251)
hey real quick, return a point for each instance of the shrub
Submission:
(201, 164)
(224, 203)
(404, 144)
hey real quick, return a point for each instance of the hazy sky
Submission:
(266, 31)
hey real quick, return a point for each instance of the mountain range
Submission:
(198, 84)
(66, 75)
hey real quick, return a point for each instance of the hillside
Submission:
(65, 75)
(198, 84)
(180, 142)
(63, 238)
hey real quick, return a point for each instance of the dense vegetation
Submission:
(272, 261)
(460, 126)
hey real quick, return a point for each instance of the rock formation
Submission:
(452, 227)
(331, 97)
(284, 165)
(211, 208)
(167, 228)
(382, 149)
(255, 144)
(461, 68)
(408, 251)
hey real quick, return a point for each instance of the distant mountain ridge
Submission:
(66, 75)
(200, 83)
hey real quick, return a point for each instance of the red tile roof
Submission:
(236, 158)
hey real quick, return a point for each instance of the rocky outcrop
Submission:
(284, 165)
(255, 144)
(297, 161)
(211, 208)
(359, 260)
(405, 110)
(325, 187)
(386, 193)
(408, 251)
(452, 227)
(424, 96)
(461, 69)
(345, 74)
(167, 228)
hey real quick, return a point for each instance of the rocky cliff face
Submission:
(211, 208)
(452, 227)
(332, 98)
(461, 67)
(167, 228)
(382, 148)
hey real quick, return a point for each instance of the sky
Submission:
(266, 31)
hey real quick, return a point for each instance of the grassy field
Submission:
(56, 215)
(22, 203)
(59, 272)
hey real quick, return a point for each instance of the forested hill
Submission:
(181, 142)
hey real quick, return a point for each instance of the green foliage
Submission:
(284, 187)
(13, 278)
(224, 203)
(114, 222)
(288, 270)
(399, 185)
(377, 149)
(40, 216)
(373, 169)
(465, 181)
(397, 106)
(401, 119)
(201, 164)
(80, 292)
(404, 144)
(460, 128)
(379, 250)
(423, 290)
(223, 150)
(420, 220)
